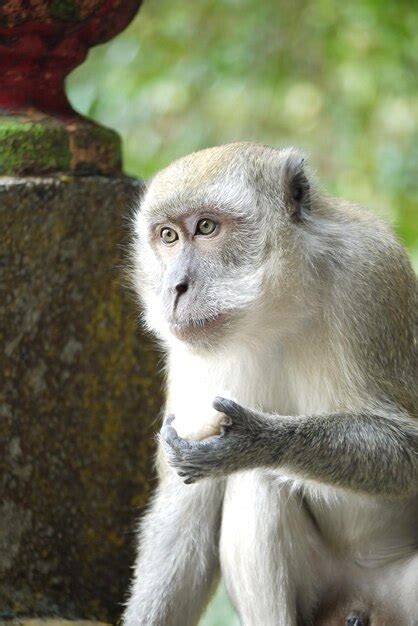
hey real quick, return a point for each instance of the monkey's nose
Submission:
(182, 287)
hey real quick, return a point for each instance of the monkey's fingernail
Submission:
(168, 432)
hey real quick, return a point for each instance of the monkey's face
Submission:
(209, 244)
(203, 280)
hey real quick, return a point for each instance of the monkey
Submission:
(287, 459)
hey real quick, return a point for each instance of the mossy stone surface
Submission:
(79, 398)
(45, 145)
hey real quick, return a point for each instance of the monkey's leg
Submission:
(397, 588)
(178, 555)
(271, 557)
(382, 596)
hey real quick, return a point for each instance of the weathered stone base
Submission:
(78, 398)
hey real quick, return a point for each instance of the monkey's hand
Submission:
(243, 439)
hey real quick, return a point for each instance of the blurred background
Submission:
(338, 79)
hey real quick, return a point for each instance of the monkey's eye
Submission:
(168, 235)
(205, 227)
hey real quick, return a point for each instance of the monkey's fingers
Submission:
(188, 478)
(229, 407)
(176, 443)
(169, 433)
(169, 419)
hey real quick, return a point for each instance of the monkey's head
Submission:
(218, 242)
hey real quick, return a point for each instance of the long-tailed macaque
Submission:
(288, 455)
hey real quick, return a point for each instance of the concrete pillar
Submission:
(78, 393)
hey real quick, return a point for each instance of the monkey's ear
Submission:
(297, 188)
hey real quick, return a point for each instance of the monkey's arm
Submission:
(374, 451)
(178, 555)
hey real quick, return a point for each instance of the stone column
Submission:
(78, 392)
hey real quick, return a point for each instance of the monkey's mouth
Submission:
(193, 328)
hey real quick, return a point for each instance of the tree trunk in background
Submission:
(79, 394)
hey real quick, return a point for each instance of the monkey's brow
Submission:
(171, 210)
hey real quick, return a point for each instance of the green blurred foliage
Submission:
(338, 79)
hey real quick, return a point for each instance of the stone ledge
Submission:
(50, 621)
(46, 145)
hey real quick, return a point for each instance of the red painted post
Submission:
(40, 43)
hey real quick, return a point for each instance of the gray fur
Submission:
(340, 449)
